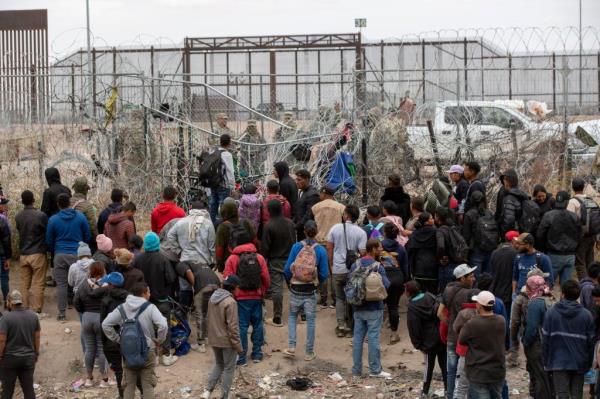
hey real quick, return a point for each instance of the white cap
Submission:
(484, 298)
(463, 270)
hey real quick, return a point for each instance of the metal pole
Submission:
(89, 47)
(580, 62)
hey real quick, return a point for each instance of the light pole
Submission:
(89, 53)
(580, 61)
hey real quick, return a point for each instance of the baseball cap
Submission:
(15, 297)
(115, 279)
(463, 270)
(562, 199)
(484, 298)
(510, 235)
(456, 169)
(232, 280)
(81, 184)
(525, 238)
(327, 190)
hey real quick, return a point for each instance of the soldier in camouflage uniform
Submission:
(252, 158)
(220, 128)
(284, 132)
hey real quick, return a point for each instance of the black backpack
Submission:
(235, 231)
(487, 235)
(249, 271)
(590, 216)
(211, 169)
(530, 216)
(459, 250)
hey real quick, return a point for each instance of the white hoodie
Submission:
(79, 272)
(150, 319)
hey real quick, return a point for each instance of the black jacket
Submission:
(476, 185)
(469, 227)
(423, 324)
(112, 298)
(501, 265)
(460, 191)
(31, 225)
(400, 198)
(303, 213)
(55, 187)
(115, 207)
(158, 274)
(5, 240)
(204, 276)
(88, 299)
(278, 237)
(558, 233)
(109, 264)
(510, 209)
(547, 205)
(422, 253)
(131, 275)
(287, 185)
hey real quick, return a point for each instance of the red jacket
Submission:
(286, 209)
(231, 266)
(163, 214)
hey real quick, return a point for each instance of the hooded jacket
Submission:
(568, 337)
(80, 203)
(109, 263)
(32, 225)
(391, 246)
(163, 213)
(400, 198)
(223, 329)
(229, 214)
(585, 297)
(250, 209)
(547, 205)
(285, 207)
(78, 273)
(422, 253)
(308, 197)
(158, 274)
(55, 187)
(196, 247)
(65, 230)
(511, 209)
(150, 320)
(559, 232)
(231, 267)
(423, 324)
(278, 238)
(119, 228)
(115, 207)
(287, 186)
(112, 298)
(88, 297)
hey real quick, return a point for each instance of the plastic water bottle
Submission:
(590, 377)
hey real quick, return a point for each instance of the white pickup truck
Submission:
(486, 129)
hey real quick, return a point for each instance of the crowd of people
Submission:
(478, 283)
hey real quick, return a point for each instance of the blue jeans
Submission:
(485, 391)
(250, 314)
(217, 196)
(562, 266)
(4, 279)
(451, 365)
(309, 304)
(367, 323)
(481, 259)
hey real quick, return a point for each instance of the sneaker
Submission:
(289, 352)
(349, 334)
(256, 360)
(168, 360)
(88, 383)
(205, 394)
(394, 338)
(310, 357)
(382, 374)
(274, 322)
(339, 332)
(241, 363)
(103, 384)
(61, 317)
(202, 348)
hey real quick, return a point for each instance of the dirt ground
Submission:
(61, 362)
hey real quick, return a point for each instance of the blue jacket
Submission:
(536, 310)
(65, 230)
(568, 337)
(322, 263)
(371, 305)
(585, 298)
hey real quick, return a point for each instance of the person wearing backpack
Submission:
(422, 253)
(511, 204)
(287, 185)
(278, 237)
(452, 248)
(480, 232)
(305, 270)
(395, 262)
(141, 327)
(568, 334)
(250, 205)
(423, 329)
(588, 214)
(223, 336)
(221, 189)
(527, 259)
(252, 270)
(307, 197)
(540, 300)
(368, 316)
(558, 236)
(344, 242)
(470, 172)
(230, 217)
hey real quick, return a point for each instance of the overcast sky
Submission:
(137, 22)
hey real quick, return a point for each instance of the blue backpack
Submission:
(133, 342)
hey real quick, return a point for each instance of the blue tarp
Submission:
(341, 175)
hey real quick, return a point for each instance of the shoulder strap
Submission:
(77, 203)
(122, 312)
(345, 236)
(141, 310)
(538, 257)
